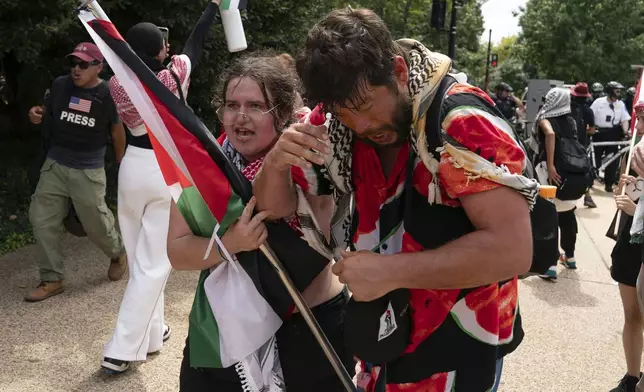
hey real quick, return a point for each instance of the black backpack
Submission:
(573, 165)
(543, 217)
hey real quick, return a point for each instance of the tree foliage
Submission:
(36, 35)
(511, 68)
(584, 40)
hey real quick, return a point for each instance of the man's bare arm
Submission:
(275, 191)
(499, 249)
(297, 146)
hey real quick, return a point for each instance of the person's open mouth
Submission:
(243, 134)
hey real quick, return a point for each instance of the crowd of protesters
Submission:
(595, 115)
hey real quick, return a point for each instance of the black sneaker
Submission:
(114, 366)
(627, 384)
(166, 333)
(589, 202)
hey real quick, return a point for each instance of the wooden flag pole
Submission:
(303, 308)
(628, 169)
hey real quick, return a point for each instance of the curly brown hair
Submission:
(268, 72)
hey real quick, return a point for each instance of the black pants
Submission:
(303, 363)
(568, 229)
(607, 135)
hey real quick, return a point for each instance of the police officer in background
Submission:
(597, 92)
(612, 120)
(79, 116)
(506, 102)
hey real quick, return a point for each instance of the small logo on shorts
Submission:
(387, 323)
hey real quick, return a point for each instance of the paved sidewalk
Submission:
(573, 326)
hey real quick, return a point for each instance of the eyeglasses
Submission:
(228, 116)
(82, 64)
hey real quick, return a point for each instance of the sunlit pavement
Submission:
(573, 326)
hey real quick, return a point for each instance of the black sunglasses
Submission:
(82, 64)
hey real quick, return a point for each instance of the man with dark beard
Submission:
(438, 226)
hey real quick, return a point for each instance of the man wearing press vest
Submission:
(79, 116)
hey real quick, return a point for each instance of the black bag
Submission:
(573, 165)
(545, 236)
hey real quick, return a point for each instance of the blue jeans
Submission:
(497, 377)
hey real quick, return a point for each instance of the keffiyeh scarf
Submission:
(426, 70)
(556, 103)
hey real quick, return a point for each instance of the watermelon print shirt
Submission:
(465, 321)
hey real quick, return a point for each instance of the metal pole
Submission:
(487, 65)
(452, 31)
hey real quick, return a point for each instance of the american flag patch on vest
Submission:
(82, 105)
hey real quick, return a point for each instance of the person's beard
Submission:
(401, 123)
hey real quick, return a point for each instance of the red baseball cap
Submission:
(580, 90)
(87, 51)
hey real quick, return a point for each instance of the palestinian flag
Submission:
(233, 5)
(208, 189)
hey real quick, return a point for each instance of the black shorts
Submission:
(303, 363)
(626, 257)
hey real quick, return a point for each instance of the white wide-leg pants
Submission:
(144, 214)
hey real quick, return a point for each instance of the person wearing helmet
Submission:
(505, 101)
(597, 91)
(612, 121)
(585, 119)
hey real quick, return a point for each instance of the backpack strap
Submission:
(178, 82)
(433, 123)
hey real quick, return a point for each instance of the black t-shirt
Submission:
(79, 123)
(584, 118)
(506, 106)
(563, 126)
